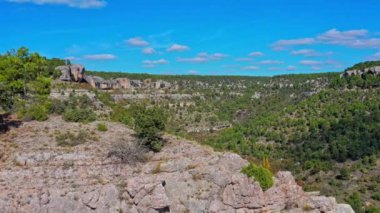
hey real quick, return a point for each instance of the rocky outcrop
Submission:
(74, 72)
(39, 176)
(371, 70)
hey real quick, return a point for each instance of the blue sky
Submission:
(212, 37)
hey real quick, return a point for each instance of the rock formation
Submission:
(39, 176)
(73, 72)
(371, 70)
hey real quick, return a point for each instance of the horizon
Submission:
(196, 37)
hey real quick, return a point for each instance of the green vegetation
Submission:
(356, 202)
(344, 174)
(363, 65)
(372, 210)
(364, 81)
(76, 109)
(79, 115)
(260, 174)
(102, 127)
(149, 123)
(24, 75)
(376, 196)
(71, 139)
(322, 127)
(330, 125)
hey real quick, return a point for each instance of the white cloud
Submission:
(251, 68)
(310, 62)
(204, 57)
(154, 63)
(350, 38)
(291, 68)
(100, 57)
(267, 62)
(335, 36)
(306, 52)
(82, 4)
(177, 48)
(283, 44)
(149, 51)
(193, 60)
(243, 59)
(137, 42)
(255, 54)
(71, 58)
(375, 56)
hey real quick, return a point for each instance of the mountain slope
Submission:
(40, 175)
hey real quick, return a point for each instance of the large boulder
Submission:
(65, 73)
(74, 72)
(77, 72)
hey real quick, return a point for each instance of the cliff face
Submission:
(36, 175)
(371, 70)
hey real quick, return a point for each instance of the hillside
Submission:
(183, 177)
(321, 127)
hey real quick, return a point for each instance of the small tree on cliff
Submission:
(149, 123)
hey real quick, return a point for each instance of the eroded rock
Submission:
(184, 177)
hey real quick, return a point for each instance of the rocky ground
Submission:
(37, 175)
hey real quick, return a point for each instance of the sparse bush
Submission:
(376, 196)
(372, 210)
(149, 123)
(344, 174)
(260, 174)
(58, 107)
(79, 115)
(102, 127)
(356, 202)
(128, 152)
(71, 139)
(36, 108)
(37, 112)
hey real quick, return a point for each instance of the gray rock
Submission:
(344, 208)
(73, 72)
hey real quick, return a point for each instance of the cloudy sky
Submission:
(212, 37)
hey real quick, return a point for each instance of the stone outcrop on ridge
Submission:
(36, 175)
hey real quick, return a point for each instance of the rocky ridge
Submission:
(76, 73)
(375, 70)
(36, 175)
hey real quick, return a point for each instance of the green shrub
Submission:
(79, 115)
(372, 210)
(58, 107)
(355, 201)
(71, 139)
(376, 196)
(36, 108)
(121, 114)
(149, 123)
(260, 174)
(37, 112)
(344, 174)
(102, 127)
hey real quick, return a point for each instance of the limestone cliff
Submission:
(36, 175)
